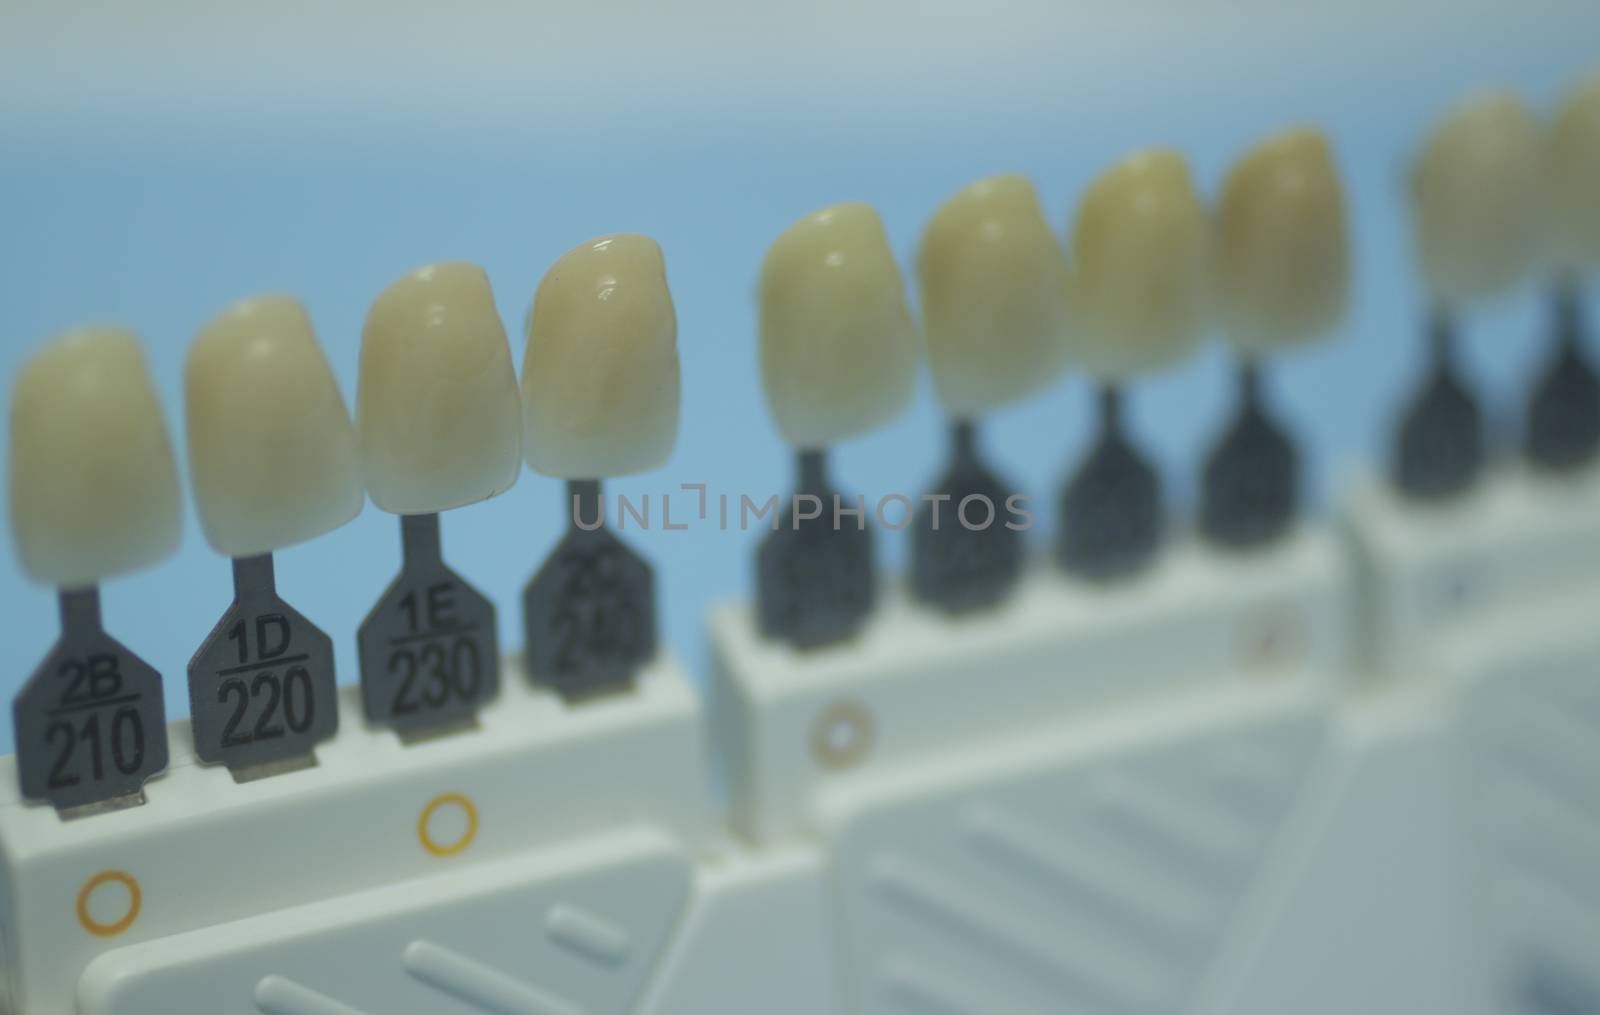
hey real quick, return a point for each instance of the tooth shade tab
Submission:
(92, 480)
(600, 377)
(1141, 249)
(1282, 259)
(437, 408)
(838, 348)
(993, 310)
(1575, 177)
(1477, 189)
(272, 454)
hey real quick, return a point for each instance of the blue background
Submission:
(152, 173)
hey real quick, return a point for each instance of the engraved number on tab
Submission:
(266, 704)
(90, 723)
(449, 666)
(429, 651)
(94, 723)
(262, 686)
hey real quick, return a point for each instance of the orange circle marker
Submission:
(135, 900)
(424, 836)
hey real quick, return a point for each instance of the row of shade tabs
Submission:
(274, 458)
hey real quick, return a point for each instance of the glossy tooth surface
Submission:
(272, 453)
(93, 485)
(993, 311)
(437, 408)
(1141, 250)
(600, 378)
(1282, 261)
(838, 348)
(1477, 188)
(1575, 176)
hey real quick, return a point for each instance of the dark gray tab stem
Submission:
(1111, 507)
(253, 575)
(419, 539)
(80, 611)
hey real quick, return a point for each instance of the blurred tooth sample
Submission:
(1476, 187)
(838, 358)
(1141, 252)
(93, 494)
(440, 425)
(994, 319)
(1476, 191)
(1282, 278)
(1563, 415)
(274, 461)
(1574, 157)
(599, 399)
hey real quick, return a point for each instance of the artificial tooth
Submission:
(274, 461)
(94, 493)
(1561, 429)
(272, 454)
(93, 485)
(1141, 251)
(1478, 188)
(600, 399)
(993, 311)
(1282, 261)
(437, 407)
(600, 377)
(440, 421)
(838, 347)
(1477, 191)
(994, 317)
(838, 357)
(1575, 176)
(1282, 275)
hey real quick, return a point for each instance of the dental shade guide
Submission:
(1233, 783)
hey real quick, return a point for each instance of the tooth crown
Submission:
(993, 310)
(1141, 250)
(437, 409)
(1575, 177)
(93, 485)
(1477, 188)
(600, 377)
(272, 454)
(838, 348)
(1282, 260)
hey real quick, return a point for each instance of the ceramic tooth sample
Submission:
(1281, 268)
(440, 425)
(1476, 189)
(93, 494)
(1141, 254)
(838, 358)
(274, 461)
(1563, 416)
(599, 399)
(994, 322)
